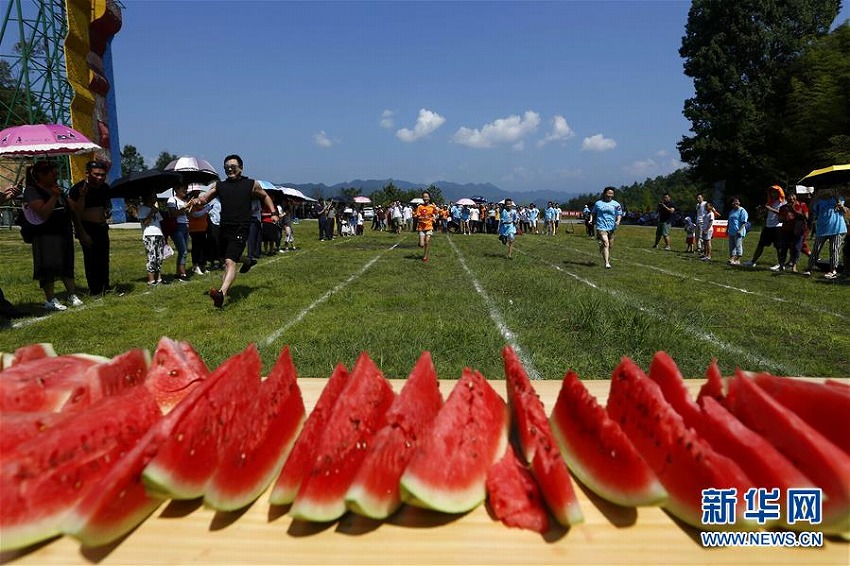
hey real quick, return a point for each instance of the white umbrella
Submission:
(193, 169)
(417, 200)
(466, 202)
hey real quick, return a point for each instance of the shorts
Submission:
(232, 240)
(769, 236)
(663, 229)
(707, 235)
(689, 240)
(423, 233)
(600, 233)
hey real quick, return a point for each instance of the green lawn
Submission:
(554, 302)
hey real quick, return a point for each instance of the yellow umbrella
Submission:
(832, 175)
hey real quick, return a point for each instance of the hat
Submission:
(778, 188)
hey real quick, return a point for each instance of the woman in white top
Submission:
(179, 206)
(151, 219)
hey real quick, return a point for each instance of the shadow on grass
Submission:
(585, 263)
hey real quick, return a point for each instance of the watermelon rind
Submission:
(469, 434)
(595, 448)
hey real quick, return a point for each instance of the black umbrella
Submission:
(478, 199)
(137, 184)
(343, 199)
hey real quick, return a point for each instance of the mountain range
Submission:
(451, 191)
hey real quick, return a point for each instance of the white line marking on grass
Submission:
(305, 311)
(496, 316)
(701, 334)
(776, 298)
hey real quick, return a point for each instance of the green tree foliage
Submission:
(131, 160)
(14, 105)
(164, 159)
(391, 193)
(737, 54)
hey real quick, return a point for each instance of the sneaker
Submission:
(749, 264)
(607, 266)
(655, 247)
(831, 275)
(198, 271)
(182, 278)
(807, 273)
(792, 268)
(667, 248)
(247, 265)
(217, 297)
(54, 305)
(706, 258)
(777, 267)
(75, 301)
(424, 259)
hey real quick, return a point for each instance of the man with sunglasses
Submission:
(91, 202)
(235, 195)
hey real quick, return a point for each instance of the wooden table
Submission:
(188, 533)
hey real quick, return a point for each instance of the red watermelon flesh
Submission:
(713, 386)
(263, 437)
(448, 472)
(19, 427)
(32, 352)
(818, 458)
(176, 369)
(121, 372)
(598, 451)
(531, 427)
(514, 495)
(684, 463)
(185, 463)
(359, 412)
(664, 371)
(47, 384)
(47, 475)
(824, 408)
(375, 490)
(300, 460)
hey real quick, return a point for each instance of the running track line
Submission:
(496, 316)
(305, 311)
(724, 286)
(702, 335)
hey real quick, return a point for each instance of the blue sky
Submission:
(567, 96)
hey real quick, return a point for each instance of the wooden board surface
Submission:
(188, 533)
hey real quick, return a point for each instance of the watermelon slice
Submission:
(32, 352)
(48, 474)
(121, 372)
(48, 384)
(176, 369)
(514, 495)
(598, 451)
(375, 490)
(823, 407)
(184, 465)
(359, 412)
(713, 386)
(529, 423)
(448, 472)
(821, 460)
(664, 371)
(20, 427)
(300, 460)
(262, 439)
(684, 463)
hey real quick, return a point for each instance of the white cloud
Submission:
(387, 119)
(322, 140)
(560, 131)
(426, 123)
(651, 167)
(598, 143)
(508, 130)
(519, 146)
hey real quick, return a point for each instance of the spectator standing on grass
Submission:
(198, 229)
(53, 243)
(770, 233)
(707, 230)
(322, 209)
(588, 224)
(407, 217)
(151, 219)
(794, 216)
(179, 205)
(830, 228)
(690, 234)
(665, 210)
(606, 216)
(700, 212)
(90, 201)
(235, 193)
(736, 230)
(426, 214)
(7, 309)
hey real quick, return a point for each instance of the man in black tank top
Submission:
(235, 194)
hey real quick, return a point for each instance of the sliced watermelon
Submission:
(175, 370)
(20, 427)
(359, 412)
(818, 458)
(300, 460)
(184, 465)
(531, 427)
(48, 384)
(598, 451)
(48, 474)
(448, 472)
(664, 371)
(32, 352)
(825, 408)
(121, 372)
(375, 490)
(514, 495)
(684, 463)
(263, 438)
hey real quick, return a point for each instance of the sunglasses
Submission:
(231, 167)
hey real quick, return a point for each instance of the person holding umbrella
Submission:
(90, 199)
(235, 195)
(830, 228)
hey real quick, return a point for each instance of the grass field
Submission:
(553, 302)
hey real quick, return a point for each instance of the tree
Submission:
(14, 103)
(737, 52)
(131, 160)
(164, 159)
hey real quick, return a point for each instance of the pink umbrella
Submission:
(465, 202)
(44, 139)
(359, 199)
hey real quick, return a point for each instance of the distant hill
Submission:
(451, 191)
